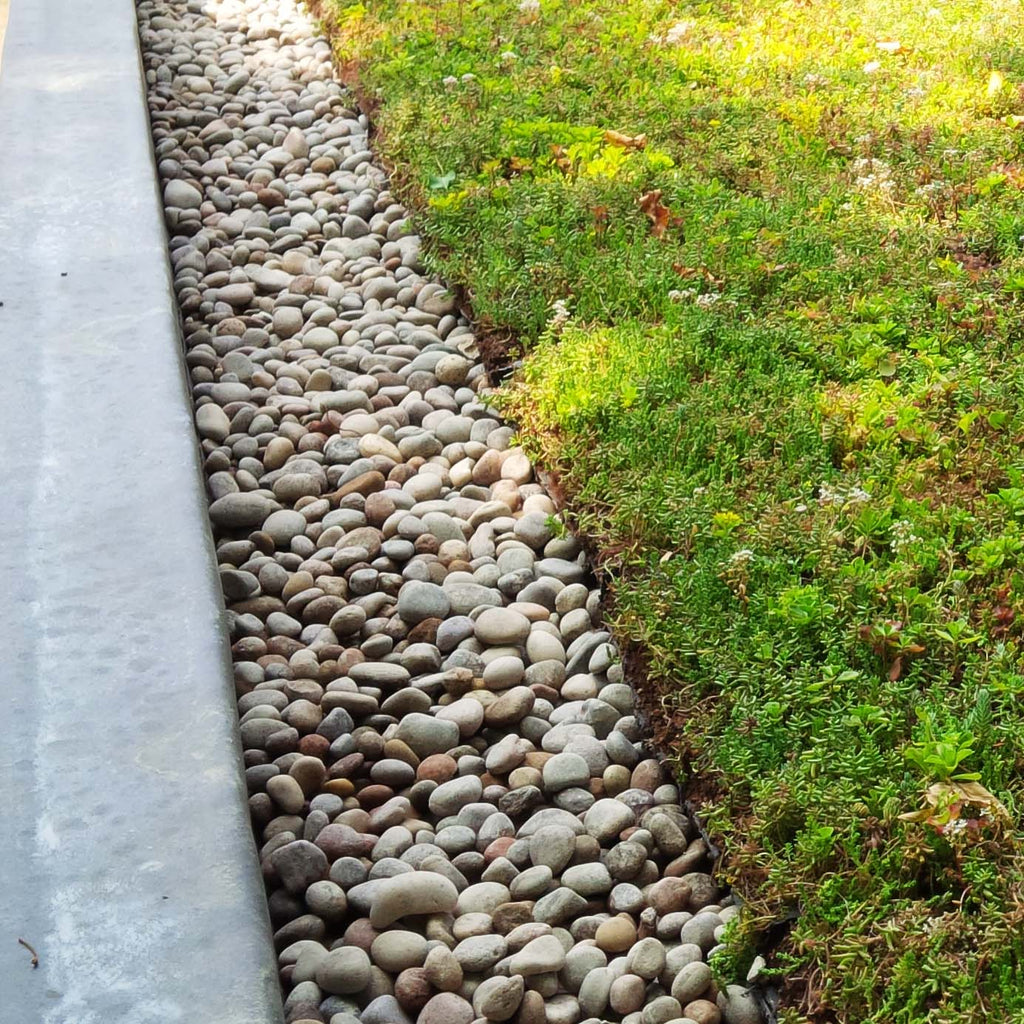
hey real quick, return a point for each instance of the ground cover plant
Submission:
(767, 263)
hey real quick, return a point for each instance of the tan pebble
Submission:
(443, 970)
(309, 773)
(401, 751)
(339, 787)
(297, 583)
(627, 994)
(506, 491)
(277, 452)
(487, 469)
(515, 466)
(616, 935)
(286, 793)
(702, 1011)
(525, 776)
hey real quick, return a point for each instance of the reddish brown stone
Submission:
(360, 933)
(424, 632)
(373, 796)
(668, 895)
(312, 442)
(437, 767)
(401, 473)
(365, 483)
(412, 990)
(426, 544)
(512, 915)
(337, 840)
(378, 507)
(285, 646)
(347, 767)
(546, 693)
(498, 848)
(647, 775)
(314, 746)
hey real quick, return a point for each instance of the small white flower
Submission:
(903, 536)
(530, 7)
(509, 56)
(838, 496)
(682, 294)
(812, 80)
(707, 300)
(698, 491)
(915, 92)
(449, 81)
(800, 508)
(468, 77)
(741, 558)
(871, 67)
(560, 315)
(933, 190)
(872, 174)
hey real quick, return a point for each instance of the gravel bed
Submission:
(456, 818)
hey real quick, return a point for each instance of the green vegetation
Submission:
(767, 261)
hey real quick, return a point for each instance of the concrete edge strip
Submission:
(129, 866)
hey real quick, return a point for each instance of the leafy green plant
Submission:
(940, 757)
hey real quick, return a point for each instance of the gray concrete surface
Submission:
(126, 857)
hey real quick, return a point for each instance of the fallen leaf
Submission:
(562, 161)
(519, 166)
(658, 213)
(950, 795)
(686, 272)
(600, 219)
(889, 46)
(614, 138)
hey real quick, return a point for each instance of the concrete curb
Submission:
(128, 862)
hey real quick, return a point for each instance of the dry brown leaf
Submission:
(516, 165)
(658, 213)
(943, 794)
(561, 158)
(636, 142)
(686, 272)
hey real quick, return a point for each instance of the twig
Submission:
(35, 955)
